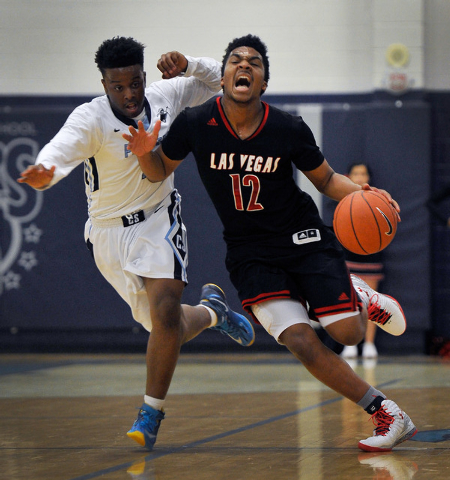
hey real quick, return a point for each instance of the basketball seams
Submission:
(336, 214)
(391, 209)
(359, 222)
(352, 198)
(386, 202)
(363, 196)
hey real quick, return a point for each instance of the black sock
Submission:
(375, 405)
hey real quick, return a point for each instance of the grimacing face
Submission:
(125, 88)
(243, 77)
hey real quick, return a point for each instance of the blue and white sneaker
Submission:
(146, 426)
(229, 323)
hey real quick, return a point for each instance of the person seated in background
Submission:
(367, 267)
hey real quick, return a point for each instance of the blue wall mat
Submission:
(395, 142)
(49, 284)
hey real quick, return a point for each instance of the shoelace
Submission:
(382, 421)
(376, 313)
(231, 329)
(222, 303)
(148, 421)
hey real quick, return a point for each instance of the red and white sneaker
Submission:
(392, 426)
(382, 309)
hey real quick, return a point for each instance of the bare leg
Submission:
(349, 331)
(322, 363)
(172, 325)
(370, 333)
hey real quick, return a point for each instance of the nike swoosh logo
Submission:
(117, 130)
(391, 229)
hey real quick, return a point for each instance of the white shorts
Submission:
(278, 315)
(154, 248)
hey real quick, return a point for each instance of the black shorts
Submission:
(313, 272)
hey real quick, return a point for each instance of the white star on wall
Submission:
(11, 280)
(32, 234)
(28, 260)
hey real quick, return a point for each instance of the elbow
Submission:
(325, 185)
(154, 180)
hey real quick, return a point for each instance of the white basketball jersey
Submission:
(115, 184)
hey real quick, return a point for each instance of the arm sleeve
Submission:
(307, 155)
(206, 70)
(200, 82)
(77, 140)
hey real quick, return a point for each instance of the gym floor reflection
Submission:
(228, 416)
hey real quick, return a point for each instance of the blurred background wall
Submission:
(371, 78)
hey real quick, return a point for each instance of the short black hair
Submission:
(119, 52)
(357, 164)
(251, 41)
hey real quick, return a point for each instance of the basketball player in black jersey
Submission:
(285, 263)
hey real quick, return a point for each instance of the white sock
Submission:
(212, 313)
(155, 403)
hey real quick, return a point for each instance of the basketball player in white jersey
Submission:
(134, 230)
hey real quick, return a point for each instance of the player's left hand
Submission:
(386, 194)
(172, 64)
(140, 141)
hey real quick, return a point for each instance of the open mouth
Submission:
(131, 107)
(242, 83)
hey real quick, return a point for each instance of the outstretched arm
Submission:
(37, 176)
(337, 186)
(155, 165)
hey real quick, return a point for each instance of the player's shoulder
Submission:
(286, 120)
(159, 87)
(200, 111)
(90, 112)
(285, 116)
(169, 88)
(96, 106)
(205, 107)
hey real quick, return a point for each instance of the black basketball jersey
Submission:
(250, 181)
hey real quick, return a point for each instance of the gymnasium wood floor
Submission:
(228, 416)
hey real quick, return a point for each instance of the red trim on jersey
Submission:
(263, 122)
(230, 128)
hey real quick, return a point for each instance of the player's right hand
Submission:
(141, 142)
(388, 196)
(37, 176)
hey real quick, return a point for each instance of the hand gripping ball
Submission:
(365, 222)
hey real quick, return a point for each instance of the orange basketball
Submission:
(365, 222)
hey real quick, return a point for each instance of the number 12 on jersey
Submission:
(251, 181)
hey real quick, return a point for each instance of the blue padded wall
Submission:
(51, 293)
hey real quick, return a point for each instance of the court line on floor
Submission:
(213, 438)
